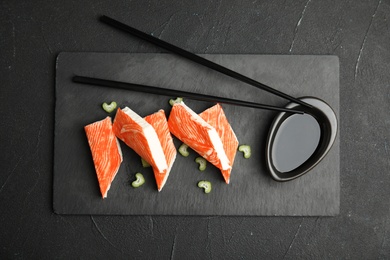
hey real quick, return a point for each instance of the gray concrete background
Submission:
(34, 32)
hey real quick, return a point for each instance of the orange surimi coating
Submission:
(217, 119)
(141, 137)
(159, 122)
(192, 130)
(106, 152)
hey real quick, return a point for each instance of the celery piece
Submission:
(139, 181)
(202, 163)
(183, 150)
(206, 185)
(145, 164)
(109, 107)
(177, 100)
(246, 149)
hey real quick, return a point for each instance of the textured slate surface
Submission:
(251, 191)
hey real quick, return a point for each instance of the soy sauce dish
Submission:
(296, 143)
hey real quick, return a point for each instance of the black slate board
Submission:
(251, 192)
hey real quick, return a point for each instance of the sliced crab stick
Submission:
(106, 152)
(139, 135)
(194, 131)
(216, 117)
(159, 122)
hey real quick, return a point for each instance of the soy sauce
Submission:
(296, 140)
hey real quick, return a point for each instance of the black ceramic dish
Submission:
(297, 143)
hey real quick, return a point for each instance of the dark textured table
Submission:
(34, 32)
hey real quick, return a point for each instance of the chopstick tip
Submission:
(77, 79)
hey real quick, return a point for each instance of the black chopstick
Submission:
(175, 93)
(197, 59)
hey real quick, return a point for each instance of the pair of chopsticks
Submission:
(194, 58)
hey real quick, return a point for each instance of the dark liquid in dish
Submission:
(296, 140)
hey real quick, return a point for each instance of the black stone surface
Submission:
(251, 192)
(33, 33)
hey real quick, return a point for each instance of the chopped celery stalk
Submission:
(139, 181)
(145, 164)
(202, 163)
(177, 100)
(109, 107)
(183, 150)
(206, 185)
(246, 149)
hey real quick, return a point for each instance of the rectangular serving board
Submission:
(251, 192)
